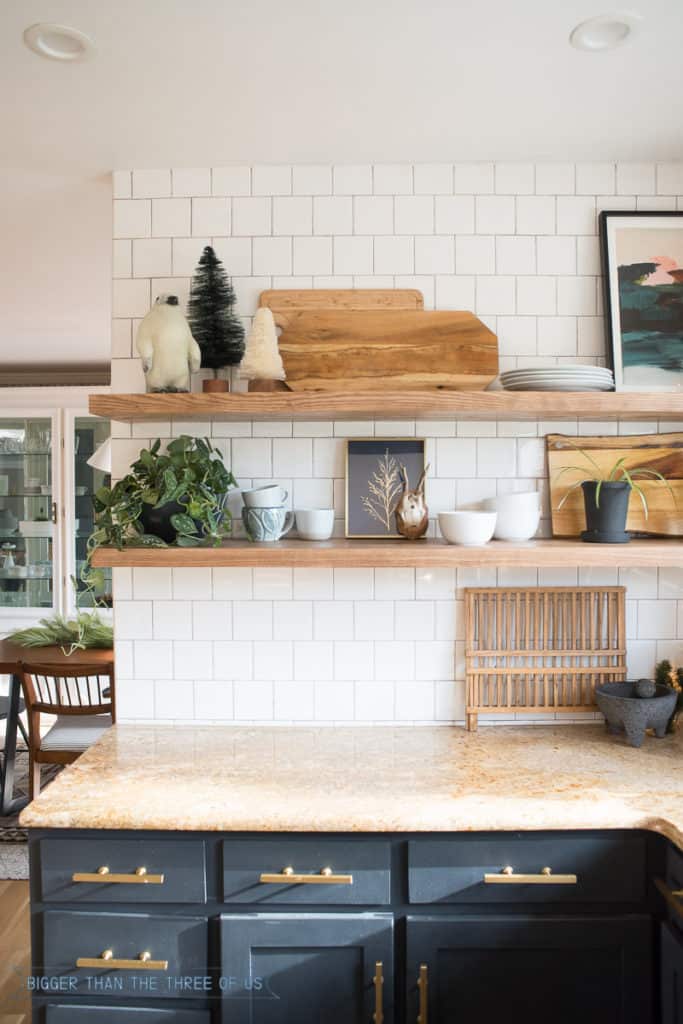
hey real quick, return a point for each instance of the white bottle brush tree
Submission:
(210, 312)
(262, 360)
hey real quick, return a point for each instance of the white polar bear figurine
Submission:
(168, 351)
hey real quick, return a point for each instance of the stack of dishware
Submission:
(264, 514)
(559, 378)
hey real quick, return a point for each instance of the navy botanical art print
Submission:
(643, 267)
(375, 472)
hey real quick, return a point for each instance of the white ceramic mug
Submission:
(519, 514)
(315, 523)
(268, 496)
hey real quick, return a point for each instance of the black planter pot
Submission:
(606, 522)
(157, 521)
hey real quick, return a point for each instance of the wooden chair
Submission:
(81, 697)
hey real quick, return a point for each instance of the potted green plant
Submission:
(172, 497)
(667, 675)
(606, 496)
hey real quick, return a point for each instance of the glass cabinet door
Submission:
(28, 513)
(89, 434)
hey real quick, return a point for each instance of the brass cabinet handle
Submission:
(673, 897)
(103, 874)
(423, 987)
(107, 959)
(378, 982)
(53, 512)
(546, 877)
(325, 877)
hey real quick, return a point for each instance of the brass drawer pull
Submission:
(325, 877)
(546, 877)
(423, 986)
(673, 897)
(378, 982)
(107, 959)
(103, 874)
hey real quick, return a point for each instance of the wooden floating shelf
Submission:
(423, 554)
(391, 405)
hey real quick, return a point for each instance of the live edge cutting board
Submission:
(362, 339)
(662, 452)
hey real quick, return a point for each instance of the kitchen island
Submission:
(203, 875)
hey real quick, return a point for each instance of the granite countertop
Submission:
(224, 778)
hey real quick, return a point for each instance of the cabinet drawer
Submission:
(453, 871)
(360, 871)
(175, 870)
(178, 945)
(72, 1014)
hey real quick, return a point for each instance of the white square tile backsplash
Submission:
(518, 244)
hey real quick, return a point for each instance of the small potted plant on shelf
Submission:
(215, 327)
(606, 495)
(667, 675)
(172, 497)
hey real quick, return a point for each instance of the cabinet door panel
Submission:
(671, 977)
(592, 971)
(277, 969)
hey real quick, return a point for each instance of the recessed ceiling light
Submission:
(58, 42)
(605, 32)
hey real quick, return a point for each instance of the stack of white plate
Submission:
(559, 378)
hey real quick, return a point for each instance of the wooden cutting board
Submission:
(662, 452)
(357, 339)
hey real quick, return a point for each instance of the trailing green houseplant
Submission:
(607, 494)
(176, 496)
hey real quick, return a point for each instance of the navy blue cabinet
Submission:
(671, 976)
(270, 928)
(559, 969)
(331, 968)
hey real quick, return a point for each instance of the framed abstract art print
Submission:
(642, 255)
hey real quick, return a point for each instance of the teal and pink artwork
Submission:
(644, 289)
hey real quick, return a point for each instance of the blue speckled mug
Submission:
(265, 525)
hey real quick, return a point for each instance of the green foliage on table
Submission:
(190, 473)
(86, 630)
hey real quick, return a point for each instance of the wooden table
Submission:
(11, 657)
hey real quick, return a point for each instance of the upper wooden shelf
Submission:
(391, 405)
(424, 554)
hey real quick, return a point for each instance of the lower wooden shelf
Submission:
(436, 554)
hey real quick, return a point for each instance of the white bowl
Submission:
(518, 514)
(471, 529)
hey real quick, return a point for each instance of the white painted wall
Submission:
(55, 268)
(515, 242)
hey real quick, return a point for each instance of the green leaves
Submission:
(618, 472)
(184, 523)
(190, 473)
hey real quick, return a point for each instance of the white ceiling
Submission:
(199, 82)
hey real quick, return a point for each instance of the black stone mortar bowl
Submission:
(625, 712)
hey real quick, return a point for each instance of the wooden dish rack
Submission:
(541, 650)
